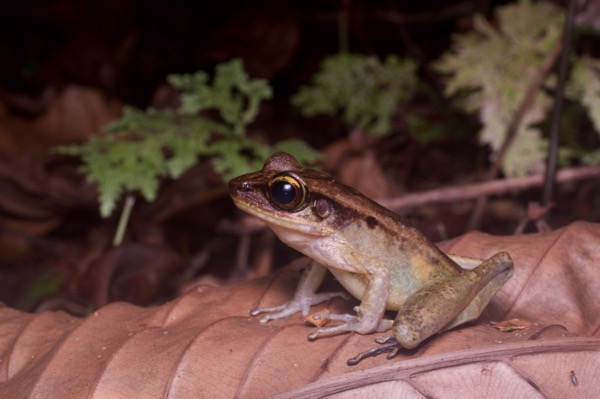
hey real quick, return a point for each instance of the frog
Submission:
(374, 253)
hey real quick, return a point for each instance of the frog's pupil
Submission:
(283, 192)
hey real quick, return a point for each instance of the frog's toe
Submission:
(350, 324)
(300, 303)
(388, 344)
(281, 311)
(257, 311)
(278, 315)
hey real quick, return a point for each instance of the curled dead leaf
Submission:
(318, 322)
(510, 325)
(73, 115)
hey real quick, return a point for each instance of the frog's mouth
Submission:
(287, 221)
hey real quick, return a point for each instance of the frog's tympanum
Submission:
(373, 253)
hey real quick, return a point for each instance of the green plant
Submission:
(366, 90)
(490, 71)
(585, 87)
(144, 146)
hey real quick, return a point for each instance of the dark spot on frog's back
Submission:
(371, 222)
(433, 259)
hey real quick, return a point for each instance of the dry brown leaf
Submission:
(37, 191)
(75, 114)
(357, 165)
(132, 272)
(204, 344)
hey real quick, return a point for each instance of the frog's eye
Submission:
(287, 192)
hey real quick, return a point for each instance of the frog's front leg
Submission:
(304, 297)
(369, 315)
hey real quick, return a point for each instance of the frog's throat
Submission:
(294, 224)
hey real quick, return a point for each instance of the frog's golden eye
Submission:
(287, 192)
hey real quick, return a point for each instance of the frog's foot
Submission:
(350, 323)
(298, 304)
(388, 344)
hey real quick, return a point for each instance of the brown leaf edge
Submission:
(560, 368)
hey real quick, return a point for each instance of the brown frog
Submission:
(373, 253)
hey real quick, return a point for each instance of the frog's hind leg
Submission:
(448, 302)
(439, 306)
(500, 268)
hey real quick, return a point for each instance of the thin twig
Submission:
(492, 187)
(124, 220)
(557, 109)
(513, 127)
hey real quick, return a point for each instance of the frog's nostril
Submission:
(246, 186)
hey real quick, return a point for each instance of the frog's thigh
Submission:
(501, 266)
